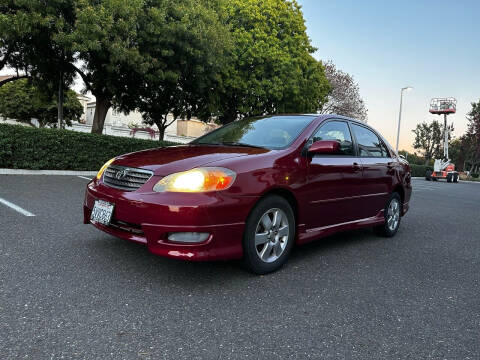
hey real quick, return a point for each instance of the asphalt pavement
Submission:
(68, 290)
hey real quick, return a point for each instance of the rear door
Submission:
(333, 180)
(378, 170)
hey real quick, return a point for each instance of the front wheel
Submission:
(392, 213)
(269, 235)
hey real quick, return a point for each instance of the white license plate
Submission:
(102, 212)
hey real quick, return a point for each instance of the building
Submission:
(119, 123)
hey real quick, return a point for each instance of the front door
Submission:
(333, 180)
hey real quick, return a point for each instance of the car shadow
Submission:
(333, 243)
(138, 262)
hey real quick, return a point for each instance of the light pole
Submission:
(400, 113)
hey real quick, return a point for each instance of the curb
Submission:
(46, 172)
(463, 181)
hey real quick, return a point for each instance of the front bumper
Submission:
(148, 218)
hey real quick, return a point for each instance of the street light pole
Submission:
(400, 114)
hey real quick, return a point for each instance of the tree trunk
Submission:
(60, 100)
(161, 132)
(101, 108)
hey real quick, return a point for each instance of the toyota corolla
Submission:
(253, 189)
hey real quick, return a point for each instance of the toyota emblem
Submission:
(121, 174)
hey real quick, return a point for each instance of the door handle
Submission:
(390, 165)
(357, 167)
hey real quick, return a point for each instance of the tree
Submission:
(23, 101)
(271, 68)
(185, 45)
(28, 31)
(104, 42)
(344, 97)
(428, 138)
(470, 141)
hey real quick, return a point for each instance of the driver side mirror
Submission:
(324, 147)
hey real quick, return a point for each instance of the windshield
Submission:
(275, 132)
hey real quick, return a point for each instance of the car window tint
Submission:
(339, 131)
(274, 132)
(369, 145)
(385, 152)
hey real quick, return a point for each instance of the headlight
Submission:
(197, 180)
(103, 168)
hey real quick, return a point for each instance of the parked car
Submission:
(253, 189)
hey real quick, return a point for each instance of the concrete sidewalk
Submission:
(46, 172)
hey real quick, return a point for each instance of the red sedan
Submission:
(252, 189)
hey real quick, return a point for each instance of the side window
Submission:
(369, 145)
(339, 131)
(385, 152)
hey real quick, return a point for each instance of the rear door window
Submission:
(369, 145)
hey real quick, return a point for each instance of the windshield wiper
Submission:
(233, 143)
(229, 143)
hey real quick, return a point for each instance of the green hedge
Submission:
(419, 170)
(51, 149)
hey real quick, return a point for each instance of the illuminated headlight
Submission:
(188, 237)
(197, 180)
(104, 167)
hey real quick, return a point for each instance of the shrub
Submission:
(419, 170)
(24, 147)
(474, 175)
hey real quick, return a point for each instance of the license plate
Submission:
(102, 212)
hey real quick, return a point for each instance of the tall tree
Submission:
(344, 97)
(28, 31)
(104, 41)
(271, 68)
(23, 101)
(429, 139)
(470, 141)
(185, 43)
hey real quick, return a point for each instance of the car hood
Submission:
(168, 160)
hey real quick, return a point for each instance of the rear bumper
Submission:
(148, 218)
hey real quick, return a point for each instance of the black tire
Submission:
(449, 178)
(455, 178)
(434, 179)
(385, 229)
(251, 252)
(428, 175)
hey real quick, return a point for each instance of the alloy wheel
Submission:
(271, 235)
(393, 214)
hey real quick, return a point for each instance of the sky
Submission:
(431, 45)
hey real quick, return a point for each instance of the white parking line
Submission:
(83, 177)
(16, 208)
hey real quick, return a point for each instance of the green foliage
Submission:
(28, 34)
(419, 170)
(22, 101)
(429, 139)
(412, 158)
(271, 68)
(185, 45)
(23, 147)
(474, 175)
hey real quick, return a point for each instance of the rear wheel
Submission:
(392, 213)
(269, 235)
(428, 175)
(455, 178)
(449, 178)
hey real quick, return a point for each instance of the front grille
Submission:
(126, 178)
